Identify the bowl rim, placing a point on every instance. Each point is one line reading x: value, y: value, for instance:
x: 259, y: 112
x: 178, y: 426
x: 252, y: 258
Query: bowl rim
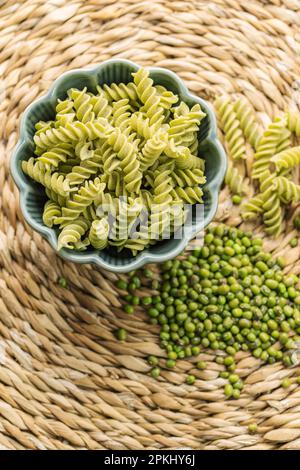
x: 145, y: 256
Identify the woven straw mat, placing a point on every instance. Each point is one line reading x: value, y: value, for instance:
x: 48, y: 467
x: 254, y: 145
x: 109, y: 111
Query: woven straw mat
x: 65, y: 382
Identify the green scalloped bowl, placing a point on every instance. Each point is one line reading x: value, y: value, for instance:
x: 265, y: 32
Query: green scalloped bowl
x: 32, y: 197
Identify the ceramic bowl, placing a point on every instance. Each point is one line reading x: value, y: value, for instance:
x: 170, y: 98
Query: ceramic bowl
x: 32, y: 196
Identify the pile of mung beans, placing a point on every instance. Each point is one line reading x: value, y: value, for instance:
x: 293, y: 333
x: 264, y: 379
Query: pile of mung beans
x: 226, y: 296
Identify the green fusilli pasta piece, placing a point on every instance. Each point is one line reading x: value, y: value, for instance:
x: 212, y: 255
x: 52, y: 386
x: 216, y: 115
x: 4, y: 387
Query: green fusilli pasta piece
x: 53, y: 196
x: 98, y: 234
x: 82, y: 105
x: 191, y: 195
x: 72, y: 132
x: 184, y: 160
x: 253, y: 207
x: 141, y: 124
x: 287, y: 159
x: 186, y: 178
x: 43, y: 126
x: 40, y: 174
x: 129, y: 161
x: 231, y: 128
x: 100, y: 105
x: 286, y: 188
x: 149, y: 97
x: 234, y: 180
x: 162, y: 199
x: 72, y: 233
x: 248, y: 123
x: 267, y: 146
x: 121, y: 91
x: 182, y: 129
x: 52, y: 210
x: 121, y: 115
x: 153, y: 149
x: 85, y: 196
x: 273, y: 215
x: 167, y: 98
x: 56, y: 155
x: 85, y: 170
x: 64, y: 112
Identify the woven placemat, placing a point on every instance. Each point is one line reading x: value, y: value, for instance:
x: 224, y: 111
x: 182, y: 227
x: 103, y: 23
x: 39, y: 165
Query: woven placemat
x: 65, y: 382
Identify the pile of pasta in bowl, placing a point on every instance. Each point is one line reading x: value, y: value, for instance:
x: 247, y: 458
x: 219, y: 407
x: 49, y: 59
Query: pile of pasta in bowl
x: 119, y: 166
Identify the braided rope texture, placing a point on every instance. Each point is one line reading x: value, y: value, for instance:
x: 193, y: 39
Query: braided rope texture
x: 65, y: 382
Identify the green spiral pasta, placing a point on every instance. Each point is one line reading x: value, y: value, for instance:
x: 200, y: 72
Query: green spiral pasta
x: 64, y: 112
x: 273, y: 215
x: 72, y: 233
x: 90, y: 213
x: 153, y: 149
x: 141, y: 125
x: 287, y: 159
x: 82, y: 245
x: 268, y: 143
x: 266, y: 182
x: 72, y: 132
x: 187, y: 178
x: 98, y: 234
x: 40, y: 174
x: 54, y: 197
x: 234, y: 180
x: 85, y: 170
x: 121, y: 115
x: 253, y: 207
x: 129, y: 161
x: 43, y: 126
x: 110, y: 159
x: 248, y: 123
x: 115, y: 183
x: 167, y: 98
x: 116, y: 92
x: 81, y: 200
x: 162, y: 199
x: 100, y: 105
x: 190, y: 195
x: 182, y: 155
x: 52, y: 211
x: 285, y: 141
x: 147, y: 199
x: 53, y: 157
x: 182, y: 129
x: 286, y: 188
x: 149, y: 97
x: 181, y: 110
x: 82, y: 105
x: 231, y: 128
x: 193, y: 145
x: 106, y: 204
x: 127, y: 214
x: 125, y: 156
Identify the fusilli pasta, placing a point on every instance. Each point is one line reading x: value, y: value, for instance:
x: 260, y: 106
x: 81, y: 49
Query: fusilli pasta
x: 248, y: 123
x: 231, y: 128
x: 268, y: 143
x: 287, y: 159
x: 234, y: 180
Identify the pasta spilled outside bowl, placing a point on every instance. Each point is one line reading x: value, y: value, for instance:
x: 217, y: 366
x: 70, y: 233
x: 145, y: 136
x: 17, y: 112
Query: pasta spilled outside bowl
x: 118, y: 165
